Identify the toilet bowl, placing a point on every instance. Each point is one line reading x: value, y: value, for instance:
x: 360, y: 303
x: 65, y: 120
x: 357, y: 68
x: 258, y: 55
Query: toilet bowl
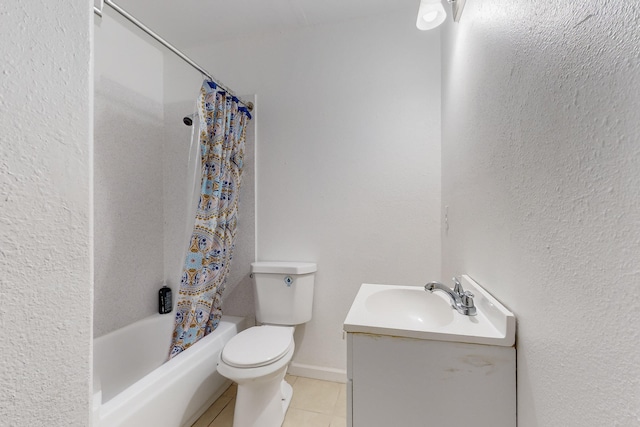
x: 257, y: 358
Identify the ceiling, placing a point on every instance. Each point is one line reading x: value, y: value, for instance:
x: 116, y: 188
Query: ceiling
x: 189, y: 23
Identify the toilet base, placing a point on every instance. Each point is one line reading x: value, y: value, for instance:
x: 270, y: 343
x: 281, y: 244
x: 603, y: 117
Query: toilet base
x: 287, y: 394
x: 262, y: 405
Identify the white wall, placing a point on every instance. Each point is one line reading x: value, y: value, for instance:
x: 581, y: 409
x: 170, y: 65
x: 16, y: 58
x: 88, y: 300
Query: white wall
x: 348, y: 161
x: 128, y: 173
x: 45, y: 213
x: 541, y: 174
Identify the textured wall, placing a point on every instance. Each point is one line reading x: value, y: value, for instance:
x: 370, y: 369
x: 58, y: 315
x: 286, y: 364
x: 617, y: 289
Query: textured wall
x: 348, y: 159
x: 128, y: 162
x: 541, y: 176
x: 45, y: 213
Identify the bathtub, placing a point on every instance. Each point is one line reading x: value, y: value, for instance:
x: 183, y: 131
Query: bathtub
x: 134, y: 386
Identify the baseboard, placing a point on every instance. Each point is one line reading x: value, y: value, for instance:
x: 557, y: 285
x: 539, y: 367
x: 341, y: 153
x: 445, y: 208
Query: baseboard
x: 317, y: 372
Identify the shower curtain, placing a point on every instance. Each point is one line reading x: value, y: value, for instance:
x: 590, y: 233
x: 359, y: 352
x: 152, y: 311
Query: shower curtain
x: 223, y: 122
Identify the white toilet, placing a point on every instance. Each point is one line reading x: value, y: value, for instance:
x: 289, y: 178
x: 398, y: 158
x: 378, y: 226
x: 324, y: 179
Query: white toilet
x: 257, y: 358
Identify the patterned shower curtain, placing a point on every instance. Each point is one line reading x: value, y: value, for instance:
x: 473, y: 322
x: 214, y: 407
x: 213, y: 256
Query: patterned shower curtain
x: 223, y: 123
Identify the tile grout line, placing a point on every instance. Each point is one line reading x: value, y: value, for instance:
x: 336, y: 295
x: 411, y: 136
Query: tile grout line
x: 222, y: 410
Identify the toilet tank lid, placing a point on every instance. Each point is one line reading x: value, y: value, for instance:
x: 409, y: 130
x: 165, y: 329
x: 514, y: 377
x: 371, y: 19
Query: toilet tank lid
x: 283, y: 267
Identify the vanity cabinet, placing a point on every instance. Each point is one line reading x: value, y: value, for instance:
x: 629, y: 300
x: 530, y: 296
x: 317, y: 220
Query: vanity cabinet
x: 407, y: 382
x: 415, y: 359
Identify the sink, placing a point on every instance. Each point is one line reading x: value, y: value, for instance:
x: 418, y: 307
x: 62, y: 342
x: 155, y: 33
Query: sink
x: 412, y: 312
x: 409, y: 352
x: 408, y: 306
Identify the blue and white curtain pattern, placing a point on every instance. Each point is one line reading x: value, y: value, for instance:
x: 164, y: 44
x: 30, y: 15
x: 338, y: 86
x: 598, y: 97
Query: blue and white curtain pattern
x: 223, y: 122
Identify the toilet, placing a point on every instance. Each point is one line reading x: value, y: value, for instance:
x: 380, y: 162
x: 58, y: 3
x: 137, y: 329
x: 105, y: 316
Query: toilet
x: 257, y: 358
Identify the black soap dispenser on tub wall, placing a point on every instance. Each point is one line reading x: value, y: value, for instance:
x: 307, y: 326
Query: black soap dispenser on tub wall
x: 165, y: 300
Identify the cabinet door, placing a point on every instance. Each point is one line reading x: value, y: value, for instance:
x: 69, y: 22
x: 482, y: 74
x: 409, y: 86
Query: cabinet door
x: 419, y: 383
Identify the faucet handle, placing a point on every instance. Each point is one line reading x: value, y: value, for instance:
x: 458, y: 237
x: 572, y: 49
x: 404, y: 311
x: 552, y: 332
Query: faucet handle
x: 467, y: 299
x: 457, y: 286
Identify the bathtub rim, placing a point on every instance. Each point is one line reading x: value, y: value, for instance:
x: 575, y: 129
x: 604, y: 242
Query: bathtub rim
x: 106, y: 410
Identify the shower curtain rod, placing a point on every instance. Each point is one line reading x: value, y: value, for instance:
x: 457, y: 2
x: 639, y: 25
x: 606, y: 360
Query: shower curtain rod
x: 168, y: 45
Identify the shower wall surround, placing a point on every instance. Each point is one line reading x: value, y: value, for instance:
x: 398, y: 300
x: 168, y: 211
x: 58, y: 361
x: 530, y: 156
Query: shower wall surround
x: 541, y: 177
x: 143, y: 178
x: 128, y: 177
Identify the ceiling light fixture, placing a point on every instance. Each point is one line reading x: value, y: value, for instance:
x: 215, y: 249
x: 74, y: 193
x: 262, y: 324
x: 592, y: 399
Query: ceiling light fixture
x: 431, y: 13
x: 430, y: 16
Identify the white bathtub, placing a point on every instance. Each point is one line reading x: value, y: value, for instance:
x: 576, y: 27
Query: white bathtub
x: 134, y: 386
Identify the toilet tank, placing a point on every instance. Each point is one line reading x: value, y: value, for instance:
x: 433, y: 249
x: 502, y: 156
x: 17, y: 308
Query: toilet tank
x: 283, y: 291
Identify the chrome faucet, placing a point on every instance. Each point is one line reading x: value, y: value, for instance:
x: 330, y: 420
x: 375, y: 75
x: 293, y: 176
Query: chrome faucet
x: 460, y: 299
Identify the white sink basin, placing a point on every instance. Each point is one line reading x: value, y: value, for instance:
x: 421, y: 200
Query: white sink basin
x: 408, y: 306
x: 412, y: 312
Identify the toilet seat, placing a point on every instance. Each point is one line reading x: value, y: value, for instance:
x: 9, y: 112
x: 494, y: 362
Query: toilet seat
x: 258, y: 346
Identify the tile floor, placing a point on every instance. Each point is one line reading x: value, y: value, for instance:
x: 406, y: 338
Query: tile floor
x: 315, y: 403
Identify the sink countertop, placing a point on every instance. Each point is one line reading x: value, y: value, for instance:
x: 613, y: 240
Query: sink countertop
x: 412, y: 312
